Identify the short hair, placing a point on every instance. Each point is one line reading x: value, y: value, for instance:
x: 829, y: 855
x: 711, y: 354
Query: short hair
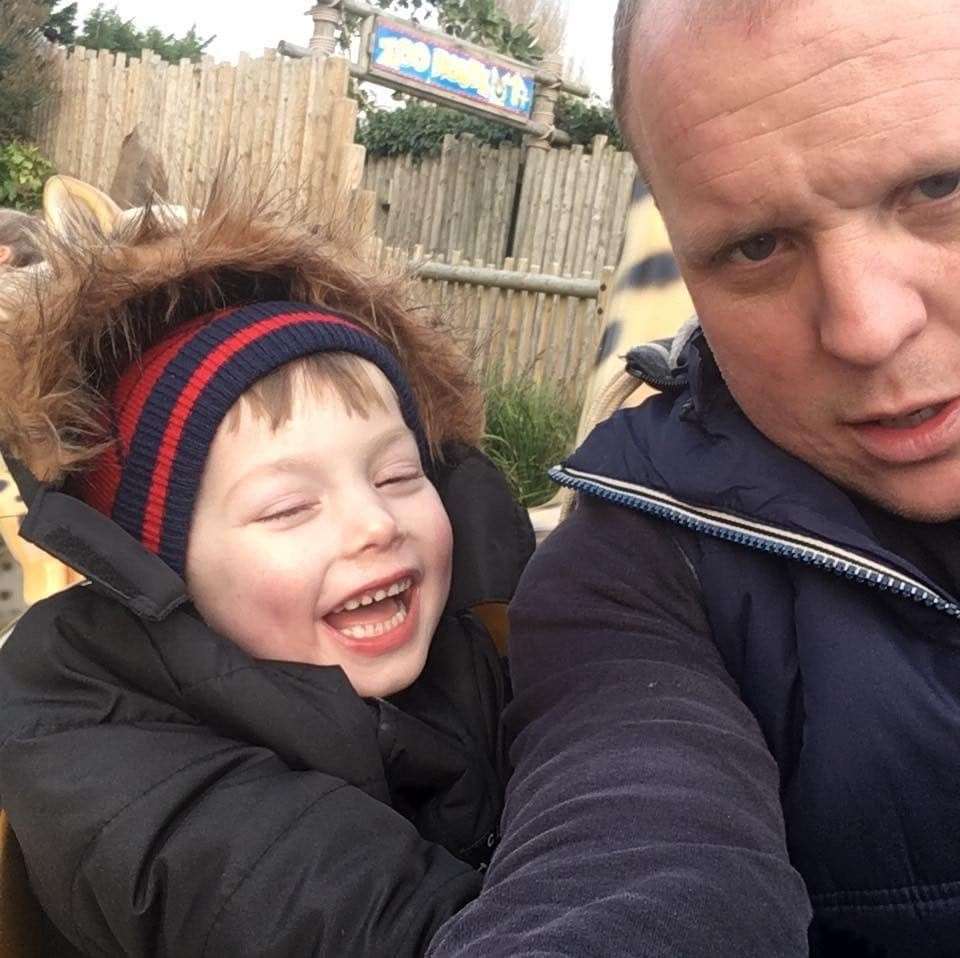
x: 623, y: 25
x: 17, y: 230
x: 344, y: 375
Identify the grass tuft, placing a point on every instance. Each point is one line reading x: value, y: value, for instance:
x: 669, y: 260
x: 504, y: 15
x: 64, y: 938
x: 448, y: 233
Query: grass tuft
x: 530, y: 427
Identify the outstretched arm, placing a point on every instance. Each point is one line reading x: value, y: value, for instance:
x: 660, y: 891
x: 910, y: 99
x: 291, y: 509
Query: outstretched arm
x: 643, y: 815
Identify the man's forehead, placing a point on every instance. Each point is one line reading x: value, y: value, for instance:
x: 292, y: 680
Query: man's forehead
x: 845, y: 84
x: 722, y: 70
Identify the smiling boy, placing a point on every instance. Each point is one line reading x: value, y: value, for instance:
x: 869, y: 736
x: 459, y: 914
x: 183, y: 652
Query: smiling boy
x: 320, y: 539
x: 269, y: 725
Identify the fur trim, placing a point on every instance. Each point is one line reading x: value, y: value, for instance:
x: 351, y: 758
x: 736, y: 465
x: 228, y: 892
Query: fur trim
x: 70, y: 328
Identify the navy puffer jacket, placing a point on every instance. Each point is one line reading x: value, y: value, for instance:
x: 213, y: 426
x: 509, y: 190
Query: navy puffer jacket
x: 847, y: 655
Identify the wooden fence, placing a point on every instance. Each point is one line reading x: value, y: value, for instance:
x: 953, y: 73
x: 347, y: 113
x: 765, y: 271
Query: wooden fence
x: 571, y: 208
x: 514, y: 333
x: 286, y: 122
x: 462, y: 199
x: 291, y: 122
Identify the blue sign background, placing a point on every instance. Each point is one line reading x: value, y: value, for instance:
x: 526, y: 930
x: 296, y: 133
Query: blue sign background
x: 487, y: 82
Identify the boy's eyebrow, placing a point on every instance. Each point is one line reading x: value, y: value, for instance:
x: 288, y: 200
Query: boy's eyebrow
x: 286, y: 464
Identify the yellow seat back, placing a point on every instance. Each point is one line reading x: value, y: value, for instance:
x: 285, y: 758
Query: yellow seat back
x: 648, y: 301
x: 42, y: 574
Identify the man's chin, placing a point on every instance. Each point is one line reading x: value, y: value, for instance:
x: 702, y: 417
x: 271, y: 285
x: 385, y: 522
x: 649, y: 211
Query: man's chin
x: 920, y: 499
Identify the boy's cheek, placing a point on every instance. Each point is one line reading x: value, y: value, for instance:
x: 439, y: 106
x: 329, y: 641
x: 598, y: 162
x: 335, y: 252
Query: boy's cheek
x: 253, y: 585
x: 431, y: 519
x: 270, y: 587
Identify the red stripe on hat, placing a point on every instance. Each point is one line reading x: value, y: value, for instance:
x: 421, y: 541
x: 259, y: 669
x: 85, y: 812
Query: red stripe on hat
x: 100, y: 484
x: 134, y: 388
x: 156, y: 503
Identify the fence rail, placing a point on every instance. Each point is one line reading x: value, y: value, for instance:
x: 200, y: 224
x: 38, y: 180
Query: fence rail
x: 516, y: 320
x: 509, y: 279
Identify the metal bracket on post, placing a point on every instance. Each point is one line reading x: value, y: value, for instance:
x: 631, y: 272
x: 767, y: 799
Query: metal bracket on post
x: 326, y: 19
x: 545, y: 103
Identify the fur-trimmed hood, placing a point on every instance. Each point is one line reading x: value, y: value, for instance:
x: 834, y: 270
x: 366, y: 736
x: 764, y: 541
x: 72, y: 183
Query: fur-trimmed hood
x: 70, y: 327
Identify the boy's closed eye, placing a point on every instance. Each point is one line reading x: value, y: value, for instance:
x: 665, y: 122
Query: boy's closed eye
x: 402, y: 479
x: 400, y: 476
x: 287, y: 513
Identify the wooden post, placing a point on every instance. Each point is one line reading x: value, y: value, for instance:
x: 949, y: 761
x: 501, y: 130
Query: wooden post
x: 326, y: 19
x: 545, y: 102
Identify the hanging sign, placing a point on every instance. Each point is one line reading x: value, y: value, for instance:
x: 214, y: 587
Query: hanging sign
x: 452, y: 72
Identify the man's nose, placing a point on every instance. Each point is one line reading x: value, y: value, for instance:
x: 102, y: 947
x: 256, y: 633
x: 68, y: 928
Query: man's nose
x: 369, y: 524
x: 870, y: 300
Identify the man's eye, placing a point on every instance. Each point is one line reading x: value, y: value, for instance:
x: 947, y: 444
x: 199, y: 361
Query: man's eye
x: 940, y: 186
x: 757, y: 248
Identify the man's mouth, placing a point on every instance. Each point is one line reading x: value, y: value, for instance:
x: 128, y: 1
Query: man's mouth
x: 910, y: 420
x: 374, y: 612
x: 921, y: 434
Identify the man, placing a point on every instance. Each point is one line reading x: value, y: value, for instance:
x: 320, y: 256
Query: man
x: 765, y: 562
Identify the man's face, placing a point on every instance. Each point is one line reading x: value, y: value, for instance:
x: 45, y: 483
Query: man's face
x: 808, y: 171
x: 323, y: 542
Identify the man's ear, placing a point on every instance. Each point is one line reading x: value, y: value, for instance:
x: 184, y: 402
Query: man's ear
x: 6, y: 254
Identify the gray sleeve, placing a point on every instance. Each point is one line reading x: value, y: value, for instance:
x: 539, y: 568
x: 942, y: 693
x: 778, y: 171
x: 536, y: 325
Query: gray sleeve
x: 643, y: 816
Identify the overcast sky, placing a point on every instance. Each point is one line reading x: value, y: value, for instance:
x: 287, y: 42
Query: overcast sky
x: 250, y: 27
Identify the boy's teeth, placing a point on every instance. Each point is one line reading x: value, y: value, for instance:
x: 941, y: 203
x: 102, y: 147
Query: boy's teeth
x: 379, y: 595
x: 371, y: 631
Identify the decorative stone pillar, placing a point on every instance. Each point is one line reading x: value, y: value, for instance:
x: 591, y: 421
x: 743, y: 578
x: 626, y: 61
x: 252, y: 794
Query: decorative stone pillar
x: 326, y: 19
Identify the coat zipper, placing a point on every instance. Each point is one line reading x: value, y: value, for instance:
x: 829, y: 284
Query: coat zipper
x: 780, y: 542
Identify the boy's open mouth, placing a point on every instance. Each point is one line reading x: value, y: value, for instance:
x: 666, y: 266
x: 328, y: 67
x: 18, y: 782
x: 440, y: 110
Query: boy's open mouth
x: 372, y: 613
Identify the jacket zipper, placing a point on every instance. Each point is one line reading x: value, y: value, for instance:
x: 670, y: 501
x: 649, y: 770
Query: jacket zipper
x: 780, y: 542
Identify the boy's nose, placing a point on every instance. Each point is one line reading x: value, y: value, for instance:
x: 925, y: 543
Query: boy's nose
x: 369, y: 524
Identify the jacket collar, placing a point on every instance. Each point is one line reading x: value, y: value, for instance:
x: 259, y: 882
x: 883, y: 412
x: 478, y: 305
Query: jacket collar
x: 694, y: 444
x: 87, y: 541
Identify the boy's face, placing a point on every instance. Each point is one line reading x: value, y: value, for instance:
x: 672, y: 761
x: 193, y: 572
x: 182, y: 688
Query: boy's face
x: 323, y: 542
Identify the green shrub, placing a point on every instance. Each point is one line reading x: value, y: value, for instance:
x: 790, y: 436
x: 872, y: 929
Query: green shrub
x: 105, y: 29
x: 530, y: 427
x: 418, y: 129
x: 585, y: 119
x: 23, y: 171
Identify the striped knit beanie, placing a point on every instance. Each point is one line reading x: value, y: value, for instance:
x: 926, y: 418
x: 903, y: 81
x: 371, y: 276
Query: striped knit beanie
x: 166, y: 408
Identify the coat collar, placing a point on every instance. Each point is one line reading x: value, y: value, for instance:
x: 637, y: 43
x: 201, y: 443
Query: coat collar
x: 87, y: 541
x: 694, y: 443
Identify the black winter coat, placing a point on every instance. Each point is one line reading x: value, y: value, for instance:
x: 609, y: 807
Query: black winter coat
x: 174, y: 796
